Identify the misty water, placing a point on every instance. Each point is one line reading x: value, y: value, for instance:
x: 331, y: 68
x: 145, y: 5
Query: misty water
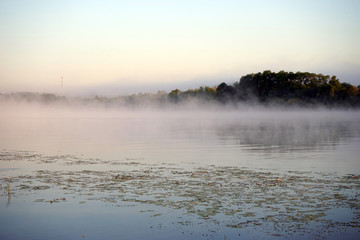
x: 179, y: 174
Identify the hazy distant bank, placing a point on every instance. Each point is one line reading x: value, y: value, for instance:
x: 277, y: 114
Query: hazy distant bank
x: 267, y: 89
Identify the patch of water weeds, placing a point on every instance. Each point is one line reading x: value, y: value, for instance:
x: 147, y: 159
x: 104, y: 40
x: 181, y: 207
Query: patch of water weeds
x: 286, y: 204
x: 43, y: 159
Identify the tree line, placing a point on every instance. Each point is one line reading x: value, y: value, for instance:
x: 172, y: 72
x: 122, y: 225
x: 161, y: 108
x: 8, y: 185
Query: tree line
x: 285, y: 88
x: 282, y: 87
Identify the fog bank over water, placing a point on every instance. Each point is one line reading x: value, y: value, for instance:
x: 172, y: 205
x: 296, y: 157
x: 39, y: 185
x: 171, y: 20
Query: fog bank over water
x: 58, y: 106
x: 254, y: 136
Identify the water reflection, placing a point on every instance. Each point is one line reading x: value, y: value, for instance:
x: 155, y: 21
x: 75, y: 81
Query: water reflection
x: 289, y: 136
x: 8, y: 193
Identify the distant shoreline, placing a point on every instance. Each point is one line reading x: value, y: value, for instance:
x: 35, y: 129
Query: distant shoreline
x: 266, y: 89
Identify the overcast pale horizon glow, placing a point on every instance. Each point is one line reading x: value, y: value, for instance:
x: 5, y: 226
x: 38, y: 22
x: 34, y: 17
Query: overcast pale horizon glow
x: 132, y: 45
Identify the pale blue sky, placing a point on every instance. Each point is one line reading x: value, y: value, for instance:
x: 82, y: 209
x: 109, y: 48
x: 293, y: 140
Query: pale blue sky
x: 142, y: 43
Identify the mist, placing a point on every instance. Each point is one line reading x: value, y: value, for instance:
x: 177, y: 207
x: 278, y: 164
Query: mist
x: 157, y: 128
x: 190, y: 131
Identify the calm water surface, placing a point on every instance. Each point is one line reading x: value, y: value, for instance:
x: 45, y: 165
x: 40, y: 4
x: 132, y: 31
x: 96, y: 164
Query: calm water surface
x: 87, y: 174
x: 317, y: 140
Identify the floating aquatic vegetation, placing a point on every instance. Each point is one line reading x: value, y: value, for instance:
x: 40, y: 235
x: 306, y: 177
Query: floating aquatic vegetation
x: 40, y: 159
x: 57, y: 200
x: 278, y: 204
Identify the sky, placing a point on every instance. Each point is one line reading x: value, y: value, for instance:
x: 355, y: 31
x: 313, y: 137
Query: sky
x: 137, y: 46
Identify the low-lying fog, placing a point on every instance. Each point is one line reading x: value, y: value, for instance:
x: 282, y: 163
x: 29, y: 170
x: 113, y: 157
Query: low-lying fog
x: 256, y: 137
